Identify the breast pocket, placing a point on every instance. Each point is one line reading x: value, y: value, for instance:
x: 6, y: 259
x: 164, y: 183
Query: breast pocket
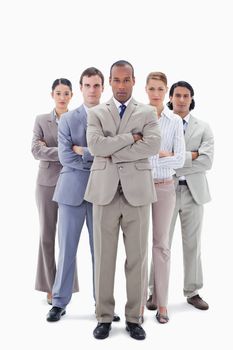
x: 143, y: 166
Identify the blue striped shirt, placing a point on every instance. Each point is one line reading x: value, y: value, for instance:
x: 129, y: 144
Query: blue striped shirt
x: 172, y: 140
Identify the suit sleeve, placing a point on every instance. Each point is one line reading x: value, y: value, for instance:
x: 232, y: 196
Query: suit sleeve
x: 205, y: 159
x: 39, y: 151
x: 66, y: 155
x: 144, y: 148
x: 104, y: 146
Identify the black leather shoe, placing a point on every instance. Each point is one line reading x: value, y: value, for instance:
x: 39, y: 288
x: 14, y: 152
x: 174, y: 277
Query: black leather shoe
x: 102, y: 330
x: 116, y: 318
x: 55, y: 314
x: 135, y: 331
x: 150, y: 305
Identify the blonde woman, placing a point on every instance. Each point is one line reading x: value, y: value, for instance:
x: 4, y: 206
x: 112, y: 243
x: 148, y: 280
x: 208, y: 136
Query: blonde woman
x: 170, y: 157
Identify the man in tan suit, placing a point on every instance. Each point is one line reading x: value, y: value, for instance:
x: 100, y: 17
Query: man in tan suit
x: 192, y: 191
x: 121, y: 134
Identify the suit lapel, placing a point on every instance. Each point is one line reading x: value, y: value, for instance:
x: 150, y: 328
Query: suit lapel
x: 128, y: 112
x: 190, y: 128
x: 114, y: 112
x: 82, y: 115
x: 52, y: 125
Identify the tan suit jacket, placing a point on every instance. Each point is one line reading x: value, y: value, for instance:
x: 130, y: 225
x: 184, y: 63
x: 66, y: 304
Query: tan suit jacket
x: 198, y: 137
x: 117, y: 157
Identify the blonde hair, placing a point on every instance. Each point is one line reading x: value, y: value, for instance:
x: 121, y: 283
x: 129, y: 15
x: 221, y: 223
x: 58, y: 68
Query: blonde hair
x: 157, y: 76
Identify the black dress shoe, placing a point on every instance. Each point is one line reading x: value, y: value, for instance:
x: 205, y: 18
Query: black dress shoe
x: 116, y: 318
x: 102, y: 330
x: 135, y: 331
x: 55, y: 314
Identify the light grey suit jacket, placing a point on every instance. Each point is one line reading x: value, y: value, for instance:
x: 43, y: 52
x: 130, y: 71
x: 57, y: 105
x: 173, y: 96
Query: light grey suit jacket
x: 198, y: 137
x: 118, y: 157
x: 74, y: 175
x: 45, y: 129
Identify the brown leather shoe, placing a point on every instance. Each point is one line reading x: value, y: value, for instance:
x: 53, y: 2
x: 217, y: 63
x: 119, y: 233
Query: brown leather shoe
x: 150, y: 305
x: 198, y: 302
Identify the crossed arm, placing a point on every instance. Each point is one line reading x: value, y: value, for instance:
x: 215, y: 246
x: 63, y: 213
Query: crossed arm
x: 202, y: 159
x: 126, y: 147
x: 39, y: 148
x: 71, y: 155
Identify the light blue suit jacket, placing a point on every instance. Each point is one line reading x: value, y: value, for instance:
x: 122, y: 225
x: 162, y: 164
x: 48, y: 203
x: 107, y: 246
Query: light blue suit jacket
x: 74, y: 175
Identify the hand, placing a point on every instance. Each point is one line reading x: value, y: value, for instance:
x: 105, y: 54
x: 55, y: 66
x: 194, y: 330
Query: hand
x: 42, y: 143
x: 165, y: 154
x: 137, y: 136
x: 195, y: 154
x: 78, y: 150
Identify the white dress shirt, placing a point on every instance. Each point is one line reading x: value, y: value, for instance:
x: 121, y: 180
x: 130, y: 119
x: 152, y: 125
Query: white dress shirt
x: 172, y: 140
x: 118, y: 104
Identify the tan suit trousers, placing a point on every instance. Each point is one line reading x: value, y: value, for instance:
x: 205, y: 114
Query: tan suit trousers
x: 134, y: 222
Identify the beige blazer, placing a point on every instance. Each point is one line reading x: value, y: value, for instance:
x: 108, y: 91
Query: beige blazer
x: 198, y: 137
x: 45, y: 129
x: 117, y: 157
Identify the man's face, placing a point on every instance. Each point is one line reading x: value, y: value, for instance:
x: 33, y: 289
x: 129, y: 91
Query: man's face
x: 92, y: 89
x: 122, y: 83
x: 181, y: 101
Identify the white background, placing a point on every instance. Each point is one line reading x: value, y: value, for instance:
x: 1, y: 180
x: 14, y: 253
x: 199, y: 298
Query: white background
x: 45, y: 40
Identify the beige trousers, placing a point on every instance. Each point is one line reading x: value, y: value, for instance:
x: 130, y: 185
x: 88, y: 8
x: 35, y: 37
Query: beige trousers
x: 162, y: 212
x: 134, y: 222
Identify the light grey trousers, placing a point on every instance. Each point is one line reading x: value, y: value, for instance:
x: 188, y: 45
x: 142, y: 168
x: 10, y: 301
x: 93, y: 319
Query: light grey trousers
x: 71, y: 221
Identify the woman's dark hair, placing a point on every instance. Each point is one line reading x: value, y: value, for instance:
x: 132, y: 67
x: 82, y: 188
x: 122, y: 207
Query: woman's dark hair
x: 62, y: 81
x: 89, y: 72
x: 185, y: 85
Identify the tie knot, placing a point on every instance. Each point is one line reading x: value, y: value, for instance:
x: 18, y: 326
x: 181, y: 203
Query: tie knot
x: 184, y: 121
x: 122, y: 110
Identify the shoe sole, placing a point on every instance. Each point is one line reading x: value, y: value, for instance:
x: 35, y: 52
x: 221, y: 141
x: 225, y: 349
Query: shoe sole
x: 137, y: 338
x: 199, y: 308
x: 57, y: 319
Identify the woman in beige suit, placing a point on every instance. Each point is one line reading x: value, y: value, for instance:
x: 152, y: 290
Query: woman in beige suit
x: 45, y: 149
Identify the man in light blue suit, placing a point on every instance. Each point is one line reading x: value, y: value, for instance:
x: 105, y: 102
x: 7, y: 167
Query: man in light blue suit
x: 73, y: 209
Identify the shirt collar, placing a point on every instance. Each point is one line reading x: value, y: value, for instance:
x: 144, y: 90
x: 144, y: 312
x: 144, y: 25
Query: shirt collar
x: 54, y: 116
x: 118, y: 104
x: 167, y: 113
x: 86, y: 108
x: 186, y: 118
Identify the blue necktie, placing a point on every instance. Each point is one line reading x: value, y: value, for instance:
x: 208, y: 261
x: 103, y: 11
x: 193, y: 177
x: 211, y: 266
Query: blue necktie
x: 184, y: 124
x: 123, y: 108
